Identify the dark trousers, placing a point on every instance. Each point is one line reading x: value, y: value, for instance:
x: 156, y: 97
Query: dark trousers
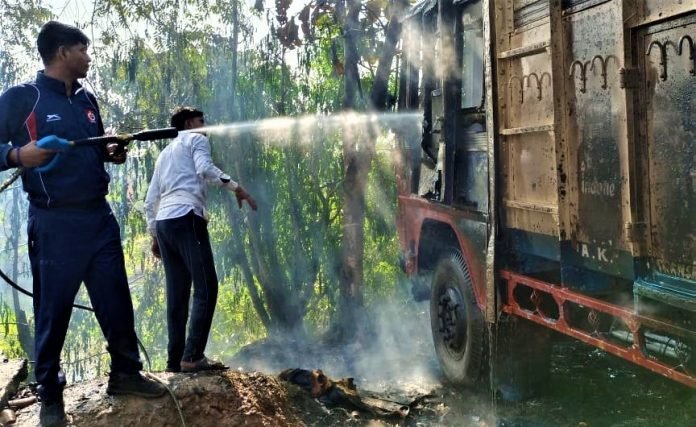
x: 186, y: 254
x: 68, y: 247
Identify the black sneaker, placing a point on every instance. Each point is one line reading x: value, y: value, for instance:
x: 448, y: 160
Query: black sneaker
x: 134, y: 384
x: 52, y: 414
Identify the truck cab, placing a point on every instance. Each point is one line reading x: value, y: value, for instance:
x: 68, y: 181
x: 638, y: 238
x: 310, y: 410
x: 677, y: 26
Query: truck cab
x: 554, y: 183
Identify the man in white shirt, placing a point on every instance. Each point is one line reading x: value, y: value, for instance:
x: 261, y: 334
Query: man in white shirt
x: 175, y: 208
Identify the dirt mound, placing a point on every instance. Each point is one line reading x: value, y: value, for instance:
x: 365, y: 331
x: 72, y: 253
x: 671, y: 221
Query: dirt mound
x: 225, y: 398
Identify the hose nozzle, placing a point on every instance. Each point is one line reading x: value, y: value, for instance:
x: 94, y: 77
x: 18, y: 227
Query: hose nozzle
x: 153, y: 134
x: 54, y: 143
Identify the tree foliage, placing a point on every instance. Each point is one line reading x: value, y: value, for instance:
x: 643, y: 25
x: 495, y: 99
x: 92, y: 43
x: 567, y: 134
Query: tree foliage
x: 279, y: 267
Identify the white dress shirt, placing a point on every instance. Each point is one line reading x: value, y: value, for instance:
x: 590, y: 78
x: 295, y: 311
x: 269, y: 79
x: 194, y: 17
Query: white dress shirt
x: 179, y: 183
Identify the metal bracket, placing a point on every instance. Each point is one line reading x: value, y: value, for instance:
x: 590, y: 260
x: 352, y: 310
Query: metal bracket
x: 603, y: 71
x: 691, y: 51
x: 538, y: 82
x: 603, y: 62
x: 583, y: 74
x: 521, y: 87
x: 663, y: 57
x: 528, y: 77
x: 629, y: 78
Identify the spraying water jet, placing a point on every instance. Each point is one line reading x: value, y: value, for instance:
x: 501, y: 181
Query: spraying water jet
x: 279, y: 130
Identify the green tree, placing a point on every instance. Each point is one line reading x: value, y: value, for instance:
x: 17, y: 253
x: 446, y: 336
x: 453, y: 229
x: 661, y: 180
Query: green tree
x: 280, y: 268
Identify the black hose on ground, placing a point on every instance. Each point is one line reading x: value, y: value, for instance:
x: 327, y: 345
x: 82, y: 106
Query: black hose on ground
x: 23, y: 291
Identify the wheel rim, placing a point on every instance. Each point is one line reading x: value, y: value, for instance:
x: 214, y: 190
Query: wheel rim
x: 452, y: 320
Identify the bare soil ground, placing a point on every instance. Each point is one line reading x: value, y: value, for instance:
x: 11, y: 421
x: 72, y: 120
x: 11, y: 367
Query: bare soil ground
x: 612, y: 394
x: 587, y: 388
x: 225, y: 398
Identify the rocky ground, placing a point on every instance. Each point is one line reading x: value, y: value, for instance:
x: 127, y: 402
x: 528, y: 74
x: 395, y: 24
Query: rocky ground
x: 228, y: 398
x: 612, y: 394
x: 394, y: 369
x: 231, y: 398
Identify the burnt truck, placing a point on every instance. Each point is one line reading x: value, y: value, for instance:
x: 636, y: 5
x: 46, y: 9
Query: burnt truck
x: 553, y: 185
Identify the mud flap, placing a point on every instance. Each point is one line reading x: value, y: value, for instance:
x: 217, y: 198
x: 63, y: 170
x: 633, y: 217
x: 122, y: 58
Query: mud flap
x: 522, y: 355
x: 420, y: 288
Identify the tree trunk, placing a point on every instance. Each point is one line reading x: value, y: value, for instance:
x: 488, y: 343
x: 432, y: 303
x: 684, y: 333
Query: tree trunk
x: 243, y: 262
x: 26, y: 338
x: 281, y: 310
x: 356, y: 161
x: 267, y: 274
x: 380, y: 87
x: 351, y: 28
x: 233, y: 67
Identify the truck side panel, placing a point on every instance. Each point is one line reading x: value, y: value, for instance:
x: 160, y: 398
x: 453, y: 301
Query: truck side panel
x: 666, y: 57
x: 598, y: 175
x: 526, y: 113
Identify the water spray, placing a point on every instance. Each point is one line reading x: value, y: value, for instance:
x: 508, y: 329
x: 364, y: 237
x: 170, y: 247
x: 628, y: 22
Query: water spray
x: 283, y: 128
x: 274, y: 129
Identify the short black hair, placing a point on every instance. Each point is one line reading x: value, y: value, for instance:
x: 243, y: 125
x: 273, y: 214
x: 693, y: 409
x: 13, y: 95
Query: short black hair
x: 181, y: 114
x: 54, y: 34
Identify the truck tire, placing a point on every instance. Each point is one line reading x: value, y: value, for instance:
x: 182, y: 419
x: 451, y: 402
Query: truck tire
x: 457, y: 322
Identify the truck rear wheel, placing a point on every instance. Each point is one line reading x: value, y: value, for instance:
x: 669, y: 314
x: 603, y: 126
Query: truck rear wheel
x: 457, y: 322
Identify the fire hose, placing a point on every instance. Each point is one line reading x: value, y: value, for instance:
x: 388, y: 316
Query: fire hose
x: 14, y: 285
x: 60, y: 145
x: 52, y: 142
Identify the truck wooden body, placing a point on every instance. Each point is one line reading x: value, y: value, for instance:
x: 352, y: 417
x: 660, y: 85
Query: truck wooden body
x: 554, y: 180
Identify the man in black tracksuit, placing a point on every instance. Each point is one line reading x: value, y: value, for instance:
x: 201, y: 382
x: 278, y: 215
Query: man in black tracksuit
x: 73, y: 235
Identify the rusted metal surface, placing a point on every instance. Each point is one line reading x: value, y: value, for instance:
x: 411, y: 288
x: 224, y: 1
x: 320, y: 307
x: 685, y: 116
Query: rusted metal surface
x: 528, y: 12
x: 650, y: 11
x: 524, y: 50
x: 563, y: 296
x: 560, y: 115
x: 491, y: 302
x: 669, y: 89
x: 526, y: 115
x: 468, y: 229
x: 573, y: 6
x: 597, y: 170
x: 587, y: 156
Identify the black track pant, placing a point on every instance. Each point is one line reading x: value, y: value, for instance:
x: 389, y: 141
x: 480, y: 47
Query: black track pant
x: 185, y: 247
x: 66, y: 248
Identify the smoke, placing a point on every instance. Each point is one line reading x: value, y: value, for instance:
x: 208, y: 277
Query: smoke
x: 395, y: 353
x: 399, y: 347
x: 400, y: 352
